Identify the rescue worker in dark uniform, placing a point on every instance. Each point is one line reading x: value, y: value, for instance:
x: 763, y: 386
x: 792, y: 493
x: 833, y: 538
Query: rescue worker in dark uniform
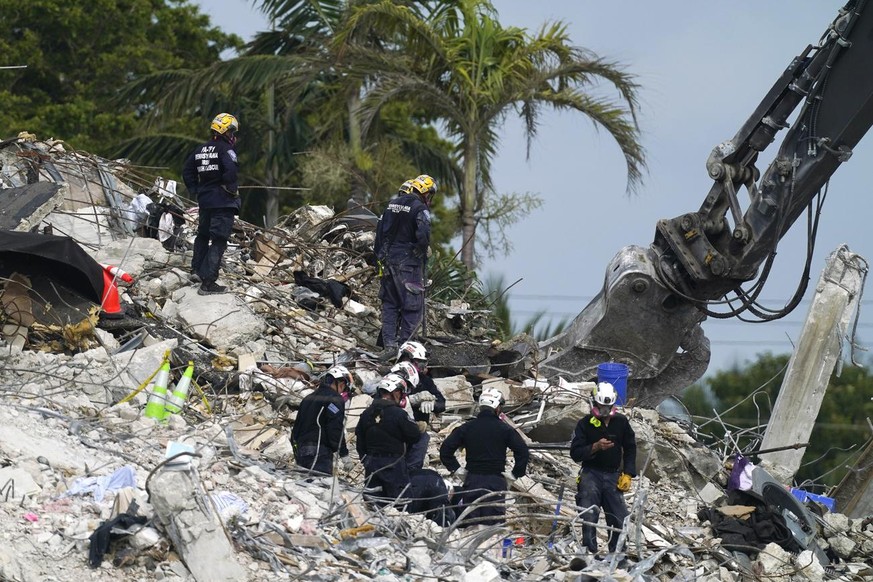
x: 319, y: 430
x: 402, y: 241
x: 384, y: 433
x: 426, y: 399
x: 210, y: 174
x: 485, y: 439
x: 605, y: 444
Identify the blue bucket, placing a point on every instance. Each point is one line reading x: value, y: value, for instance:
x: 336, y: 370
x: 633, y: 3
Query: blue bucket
x: 615, y: 374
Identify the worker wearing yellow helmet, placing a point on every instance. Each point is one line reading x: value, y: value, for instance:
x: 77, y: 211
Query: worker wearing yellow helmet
x: 401, y: 245
x: 210, y: 174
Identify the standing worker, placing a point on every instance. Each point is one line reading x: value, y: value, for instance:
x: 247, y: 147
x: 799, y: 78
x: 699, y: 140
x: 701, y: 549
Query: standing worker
x: 384, y: 433
x: 605, y: 444
x: 210, y: 174
x: 319, y: 430
x: 485, y: 439
x: 401, y: 246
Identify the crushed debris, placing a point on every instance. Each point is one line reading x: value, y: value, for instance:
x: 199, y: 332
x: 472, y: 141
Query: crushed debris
x: 211, y: 492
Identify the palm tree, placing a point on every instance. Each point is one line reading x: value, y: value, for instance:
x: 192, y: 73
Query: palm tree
x: 468, y: 72
x: 303, y: 99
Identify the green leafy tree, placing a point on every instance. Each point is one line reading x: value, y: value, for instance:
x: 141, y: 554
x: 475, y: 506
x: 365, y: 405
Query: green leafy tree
x: 741, y: 399
x: 77, y: 55
x: 298, y: 102
x: 468, y: 72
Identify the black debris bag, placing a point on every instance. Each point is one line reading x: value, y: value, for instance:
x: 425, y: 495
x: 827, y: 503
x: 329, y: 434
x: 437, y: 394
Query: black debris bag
x: 333, y: 290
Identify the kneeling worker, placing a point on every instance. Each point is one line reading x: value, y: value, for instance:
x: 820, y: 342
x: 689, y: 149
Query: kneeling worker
x: 319, y: 430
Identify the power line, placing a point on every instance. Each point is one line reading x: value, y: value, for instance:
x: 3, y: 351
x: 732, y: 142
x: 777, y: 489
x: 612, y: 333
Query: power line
x: 587, y: 298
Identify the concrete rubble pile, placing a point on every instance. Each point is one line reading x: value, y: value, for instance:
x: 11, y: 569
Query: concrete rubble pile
x: 94, y: 489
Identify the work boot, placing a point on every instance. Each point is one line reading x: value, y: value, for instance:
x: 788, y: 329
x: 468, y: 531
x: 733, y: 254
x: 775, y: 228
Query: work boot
x: 195, y: 278
x: 388, y: 353
x: 211, y: 289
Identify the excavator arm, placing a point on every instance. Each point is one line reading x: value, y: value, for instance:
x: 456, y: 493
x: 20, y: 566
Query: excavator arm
x: 653, y: 301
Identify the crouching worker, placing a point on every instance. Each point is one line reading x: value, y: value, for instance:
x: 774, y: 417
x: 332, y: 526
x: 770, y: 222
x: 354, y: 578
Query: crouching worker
x: 605, y: 444
x: 486, y: 439
x: 319, y: 430
x: 384, y: 433
x: 430, y: 496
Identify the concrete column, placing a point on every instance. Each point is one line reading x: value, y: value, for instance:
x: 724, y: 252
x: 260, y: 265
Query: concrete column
x: 797, y: 406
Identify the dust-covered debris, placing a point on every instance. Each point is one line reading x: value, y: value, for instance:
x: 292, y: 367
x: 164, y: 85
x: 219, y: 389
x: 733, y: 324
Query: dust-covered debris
x: 216, y: 483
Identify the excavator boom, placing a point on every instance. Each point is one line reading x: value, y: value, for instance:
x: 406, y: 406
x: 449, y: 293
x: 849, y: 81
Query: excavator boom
x: 653, y: 301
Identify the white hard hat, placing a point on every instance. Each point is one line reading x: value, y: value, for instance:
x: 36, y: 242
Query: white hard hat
x: 341, y: 373
x: 392, y: 383
x: 414, y: 350
x: 605, y: 394
x: 491, y: 397
x: 408, y: 371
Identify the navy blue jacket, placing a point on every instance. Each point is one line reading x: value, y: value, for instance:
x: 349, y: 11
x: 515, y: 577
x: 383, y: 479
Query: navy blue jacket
x: 403, y: 231
x: 384, y: 430
x: 486, y: 439
x: 320, y: 417
x: 426, y: 384
x: 621, y: 457
x: 210, y: 174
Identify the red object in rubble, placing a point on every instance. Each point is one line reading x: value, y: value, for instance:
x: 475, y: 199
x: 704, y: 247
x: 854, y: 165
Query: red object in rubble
x: 111, y: 301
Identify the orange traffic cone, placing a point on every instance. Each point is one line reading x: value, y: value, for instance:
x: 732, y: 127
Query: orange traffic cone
x: 117, y: 273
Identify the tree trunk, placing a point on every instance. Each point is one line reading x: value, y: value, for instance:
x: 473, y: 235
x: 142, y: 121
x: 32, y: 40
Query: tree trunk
x: 468, y: 205
x: 356, y: 142
x: 271, y: 212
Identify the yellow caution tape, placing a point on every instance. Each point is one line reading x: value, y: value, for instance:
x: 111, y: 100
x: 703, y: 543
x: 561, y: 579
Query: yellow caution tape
x: 146, y: 382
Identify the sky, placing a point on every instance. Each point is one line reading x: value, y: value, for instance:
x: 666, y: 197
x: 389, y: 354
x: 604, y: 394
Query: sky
x: 702, y: 72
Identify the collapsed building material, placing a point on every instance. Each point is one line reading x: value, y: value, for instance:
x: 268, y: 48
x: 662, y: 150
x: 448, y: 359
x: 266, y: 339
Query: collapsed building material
x: 194, y: 526
x: 23, y: 208
x: 830, y: 313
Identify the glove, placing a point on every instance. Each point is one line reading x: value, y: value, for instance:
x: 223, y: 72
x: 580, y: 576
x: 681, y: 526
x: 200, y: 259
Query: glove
x: 460, y: 474
x: 624, y: 482
x: 426, y: 407
x: 510, y: 478
x: 422, y: 426
x: 419, y: 397
x: 346, y: 463
x: 233, y: 193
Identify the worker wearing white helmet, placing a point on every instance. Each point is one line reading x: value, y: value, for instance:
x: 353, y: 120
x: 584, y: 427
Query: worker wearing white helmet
x: 384, y: 433
x: 486, y: 439
x: 605, y: 444
x: 318, y: 432
x: 425, y: 398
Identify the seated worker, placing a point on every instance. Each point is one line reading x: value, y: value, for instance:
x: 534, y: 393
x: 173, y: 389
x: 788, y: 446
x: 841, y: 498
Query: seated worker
x: 485, y: 439
x: 319, y: 430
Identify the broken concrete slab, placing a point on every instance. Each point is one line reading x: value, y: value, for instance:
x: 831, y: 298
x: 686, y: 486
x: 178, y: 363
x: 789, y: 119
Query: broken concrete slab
x: 225, y: 320
x: 23, y: 208
x: 194, y: 528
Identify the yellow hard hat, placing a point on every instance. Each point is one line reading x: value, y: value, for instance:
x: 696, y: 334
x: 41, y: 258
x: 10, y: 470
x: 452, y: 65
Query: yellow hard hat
x: 225, y: 122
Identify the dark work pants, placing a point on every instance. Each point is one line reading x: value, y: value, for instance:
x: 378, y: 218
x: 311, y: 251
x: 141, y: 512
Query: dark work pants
x: 598, y: 489
x: 389, y: 473
x: 402, y: 295
x: 430, y: 496
x: 310, y: 456
x: 416, y: 453
x: 213, y: 232
x: 477, y: 486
